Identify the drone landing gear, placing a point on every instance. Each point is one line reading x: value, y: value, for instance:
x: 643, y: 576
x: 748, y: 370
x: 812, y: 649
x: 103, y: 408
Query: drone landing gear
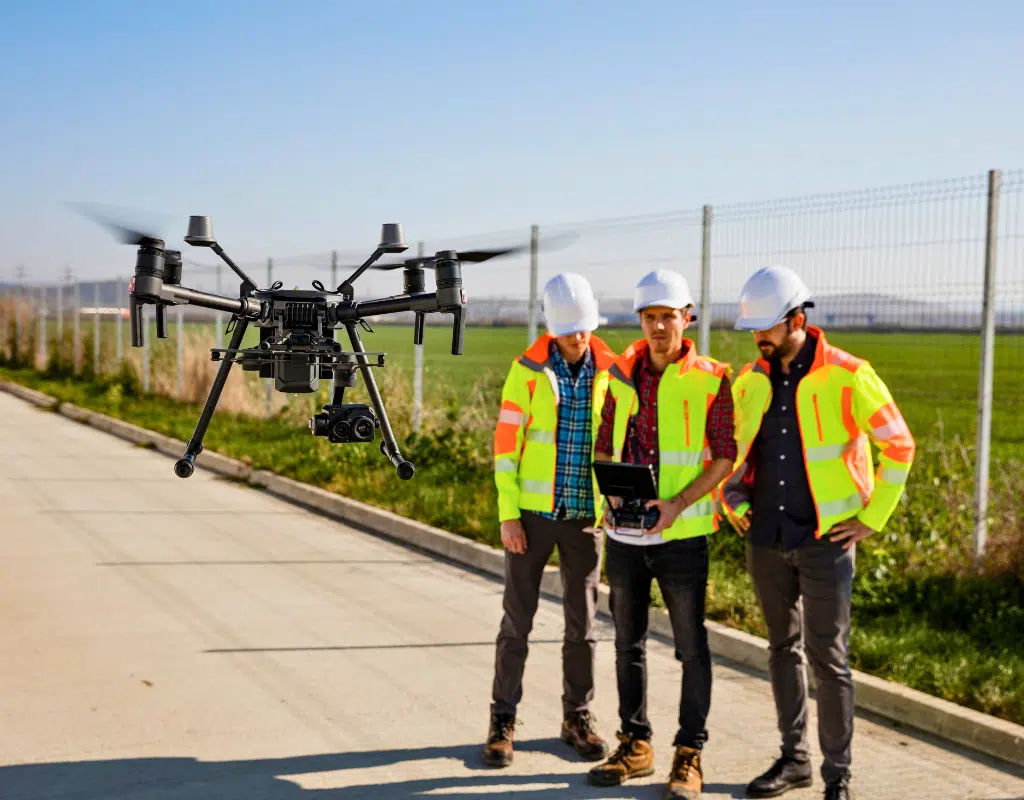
x: 338, y: 422
x: 184, y: 466
x: 389, y: 445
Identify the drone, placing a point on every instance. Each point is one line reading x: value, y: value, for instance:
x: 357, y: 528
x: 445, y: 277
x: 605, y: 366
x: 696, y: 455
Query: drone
x: 297, y: 346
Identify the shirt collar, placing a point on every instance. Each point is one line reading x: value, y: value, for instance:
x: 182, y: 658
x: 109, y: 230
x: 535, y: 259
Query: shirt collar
x: 647, y: 365
x: 558, y: 360
x: 803, y: 360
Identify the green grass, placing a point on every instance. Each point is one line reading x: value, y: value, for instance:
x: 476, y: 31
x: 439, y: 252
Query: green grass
x: 932, y: 376
x: 921, y: 616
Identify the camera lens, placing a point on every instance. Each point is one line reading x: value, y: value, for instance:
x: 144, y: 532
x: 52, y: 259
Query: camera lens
x: 341, y: 431
x: 363, y: 430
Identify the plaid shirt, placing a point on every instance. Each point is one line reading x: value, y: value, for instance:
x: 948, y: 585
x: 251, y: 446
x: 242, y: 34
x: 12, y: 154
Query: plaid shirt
x: 574, y: 490
x: 641, y: 445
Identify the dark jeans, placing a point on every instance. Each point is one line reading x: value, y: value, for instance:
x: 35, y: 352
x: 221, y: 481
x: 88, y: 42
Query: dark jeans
x: 805, y: 595
x: 681, y: 569
x: 579, y: 558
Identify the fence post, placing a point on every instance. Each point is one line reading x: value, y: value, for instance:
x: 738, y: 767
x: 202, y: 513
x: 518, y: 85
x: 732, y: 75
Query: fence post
x: 180, y: 314
x: 96, y: 327
x: 19, y: 297
x: 60, y: 325
x: 119, y: 294
x: 532, y: 324
x: 3, y: 322
x: 220, y: 316
x: 268, y: 382
x: 704, y: 323
x: 417, y: 376
x: 42, y: 328
x: 334, y: 267
x: 77, y: 355
x: 988, y: 325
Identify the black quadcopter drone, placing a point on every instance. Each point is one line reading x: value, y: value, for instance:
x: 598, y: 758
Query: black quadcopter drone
x: 297, y: 346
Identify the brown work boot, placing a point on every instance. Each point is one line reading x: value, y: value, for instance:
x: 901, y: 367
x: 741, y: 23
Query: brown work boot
x: 498, y: 748
x: 686, y: 780
x: 634, y: 758
x: 578, y: 730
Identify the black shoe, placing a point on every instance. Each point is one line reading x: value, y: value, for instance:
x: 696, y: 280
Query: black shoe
x: 838, y: 789
x: 783, y: 775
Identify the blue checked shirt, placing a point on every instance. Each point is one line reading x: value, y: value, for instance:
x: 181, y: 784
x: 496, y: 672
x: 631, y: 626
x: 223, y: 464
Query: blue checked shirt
x: 574, y: 490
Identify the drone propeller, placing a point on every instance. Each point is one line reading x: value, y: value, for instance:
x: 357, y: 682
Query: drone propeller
x: 429, y: 262
x: 112, y: 219
x: 473, y: 256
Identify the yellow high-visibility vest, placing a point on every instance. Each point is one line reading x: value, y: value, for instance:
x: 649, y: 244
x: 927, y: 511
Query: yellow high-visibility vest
x: 525, y: 437
x: 842, y: 406
x: 685, y: 393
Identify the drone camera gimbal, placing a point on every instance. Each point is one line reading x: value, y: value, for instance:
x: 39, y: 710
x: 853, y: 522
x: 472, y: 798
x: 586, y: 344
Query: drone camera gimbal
x: 297, y: 346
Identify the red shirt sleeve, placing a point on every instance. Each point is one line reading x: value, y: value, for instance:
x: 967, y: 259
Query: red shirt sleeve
x: 604, y: 433
x: 720, y: 426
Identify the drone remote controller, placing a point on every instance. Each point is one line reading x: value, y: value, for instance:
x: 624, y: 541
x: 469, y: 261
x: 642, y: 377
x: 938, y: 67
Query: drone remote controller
x: 634, y: 485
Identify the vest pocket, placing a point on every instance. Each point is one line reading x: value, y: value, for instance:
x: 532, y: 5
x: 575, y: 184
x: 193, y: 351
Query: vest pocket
x: 686, y: 420
x: 817, y: 418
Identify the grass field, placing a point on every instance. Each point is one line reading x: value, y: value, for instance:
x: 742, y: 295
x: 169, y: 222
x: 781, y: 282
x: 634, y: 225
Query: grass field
x: 933, y: 377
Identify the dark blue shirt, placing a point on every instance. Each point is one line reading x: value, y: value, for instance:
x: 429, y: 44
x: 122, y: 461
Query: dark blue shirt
x: 783, y: 513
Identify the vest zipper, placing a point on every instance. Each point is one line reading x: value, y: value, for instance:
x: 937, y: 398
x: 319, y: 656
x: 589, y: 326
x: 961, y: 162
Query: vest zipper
x: 686, y: 417
x: 817, y: 418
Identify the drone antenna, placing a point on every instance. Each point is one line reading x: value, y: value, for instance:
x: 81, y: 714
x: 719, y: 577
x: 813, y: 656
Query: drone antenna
x: 200, y: 234
x: 392, y: 240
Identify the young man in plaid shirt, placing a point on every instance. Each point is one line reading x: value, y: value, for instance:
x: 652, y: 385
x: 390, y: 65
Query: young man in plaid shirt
x: 543, y: 451
x: 670, y: 408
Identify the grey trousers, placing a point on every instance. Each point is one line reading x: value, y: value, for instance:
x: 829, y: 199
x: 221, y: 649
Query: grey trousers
x: 579, y: 558
x: 805, y: 596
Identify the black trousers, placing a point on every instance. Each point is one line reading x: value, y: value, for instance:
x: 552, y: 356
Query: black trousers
x: 579, y: 557
x: 681, y: 569
x: 805, y: 595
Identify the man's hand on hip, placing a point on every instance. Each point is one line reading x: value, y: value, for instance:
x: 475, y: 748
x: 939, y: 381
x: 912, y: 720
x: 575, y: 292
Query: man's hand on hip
x: 850, y: 531
x: 513, y: 536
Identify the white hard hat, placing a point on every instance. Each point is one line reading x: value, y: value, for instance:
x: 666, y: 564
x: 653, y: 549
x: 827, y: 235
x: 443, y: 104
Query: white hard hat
x: 569, y: 305
x: 663, y: 287
x: 767, y: 296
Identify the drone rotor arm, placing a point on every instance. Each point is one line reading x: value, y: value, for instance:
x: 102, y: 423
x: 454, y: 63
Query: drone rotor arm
x: 182, y: 295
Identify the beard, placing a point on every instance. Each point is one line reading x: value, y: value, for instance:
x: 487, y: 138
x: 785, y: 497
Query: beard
x: 787, y: 348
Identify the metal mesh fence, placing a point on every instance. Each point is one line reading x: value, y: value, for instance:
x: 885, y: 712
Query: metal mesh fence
x: 905, y: 260
x: 897, y: 275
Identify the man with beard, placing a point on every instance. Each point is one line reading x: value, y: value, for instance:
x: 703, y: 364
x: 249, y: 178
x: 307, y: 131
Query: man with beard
x: 667, y: 407
x: 803, y: 494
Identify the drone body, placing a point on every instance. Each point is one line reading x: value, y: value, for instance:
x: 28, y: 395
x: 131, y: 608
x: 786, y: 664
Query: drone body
x: 298, y: 347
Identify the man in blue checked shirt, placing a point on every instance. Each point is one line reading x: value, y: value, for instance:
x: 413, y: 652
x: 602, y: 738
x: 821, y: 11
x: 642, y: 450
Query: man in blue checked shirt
x: 543, y: 454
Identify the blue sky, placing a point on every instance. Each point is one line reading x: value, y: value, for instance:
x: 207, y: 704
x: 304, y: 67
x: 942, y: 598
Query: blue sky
x: 302, y: 126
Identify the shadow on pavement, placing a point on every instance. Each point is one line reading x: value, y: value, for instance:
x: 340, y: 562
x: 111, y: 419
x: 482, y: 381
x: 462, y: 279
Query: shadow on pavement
x: 277, y: 779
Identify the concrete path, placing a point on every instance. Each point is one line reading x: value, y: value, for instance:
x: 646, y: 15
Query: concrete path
x: 173, y: 639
